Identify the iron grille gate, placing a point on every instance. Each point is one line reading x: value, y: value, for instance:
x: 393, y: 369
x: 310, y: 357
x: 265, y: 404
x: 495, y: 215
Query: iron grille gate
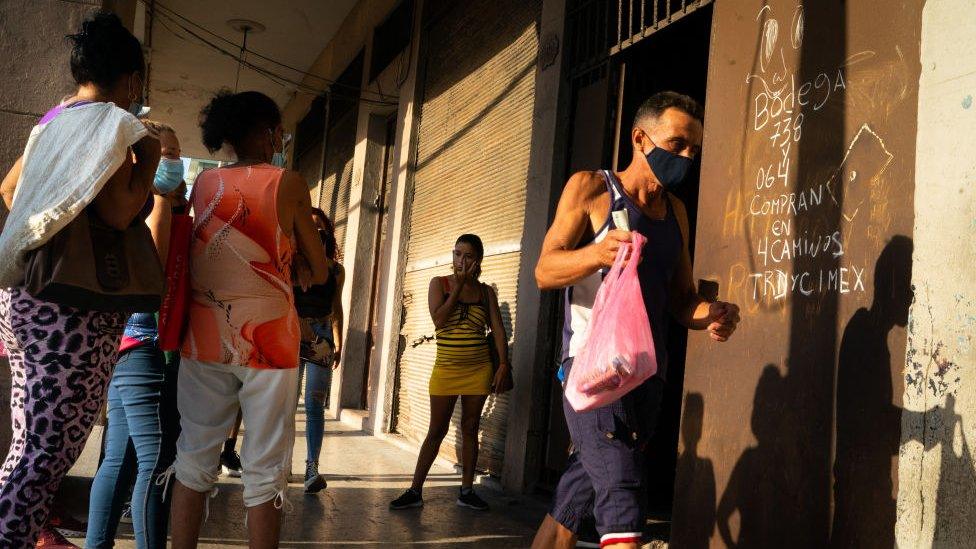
x: 600, y: 29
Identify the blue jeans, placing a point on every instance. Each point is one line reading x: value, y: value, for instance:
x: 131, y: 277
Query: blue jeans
x: 318, y: 382
x: 143, y: 424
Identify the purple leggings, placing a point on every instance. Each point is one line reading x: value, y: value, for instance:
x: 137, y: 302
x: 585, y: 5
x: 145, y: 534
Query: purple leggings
x: 61, y: 361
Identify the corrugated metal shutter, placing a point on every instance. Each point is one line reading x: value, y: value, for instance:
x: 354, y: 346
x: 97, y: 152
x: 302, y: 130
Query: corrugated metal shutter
x: 308, y: 144
x: 472, y: 159
x: 309, y: 164
x: 337, y: 182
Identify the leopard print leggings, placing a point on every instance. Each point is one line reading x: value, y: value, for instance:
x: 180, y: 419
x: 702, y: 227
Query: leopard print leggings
x: 61, y: 360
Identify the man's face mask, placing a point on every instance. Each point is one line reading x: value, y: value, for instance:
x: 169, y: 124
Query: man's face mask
x: 669, y: 168
x: 169, y: 175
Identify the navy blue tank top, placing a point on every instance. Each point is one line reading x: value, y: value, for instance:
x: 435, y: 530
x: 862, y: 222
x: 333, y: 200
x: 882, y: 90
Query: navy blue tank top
x: 660, y: 258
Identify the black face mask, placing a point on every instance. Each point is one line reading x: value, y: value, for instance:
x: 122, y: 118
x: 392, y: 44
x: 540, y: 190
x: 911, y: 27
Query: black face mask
x: 669, y: 168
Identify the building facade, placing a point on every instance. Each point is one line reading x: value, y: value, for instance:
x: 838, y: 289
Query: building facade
x: 833, y: 202
x: 815, y: 424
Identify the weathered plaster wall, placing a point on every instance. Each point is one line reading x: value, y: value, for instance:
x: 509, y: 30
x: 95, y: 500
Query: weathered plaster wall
x: 34, y: 76
x: 33, y: 65
x: 937, y: 479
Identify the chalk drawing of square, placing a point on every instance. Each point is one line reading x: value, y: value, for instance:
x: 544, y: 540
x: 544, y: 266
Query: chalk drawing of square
x: 865, y: 160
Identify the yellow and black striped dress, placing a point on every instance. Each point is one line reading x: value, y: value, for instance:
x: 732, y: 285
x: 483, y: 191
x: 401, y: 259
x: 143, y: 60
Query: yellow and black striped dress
x: 463, y: 363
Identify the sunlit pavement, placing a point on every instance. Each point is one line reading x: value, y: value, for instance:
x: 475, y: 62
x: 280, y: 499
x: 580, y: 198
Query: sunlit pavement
x: 364, y: 474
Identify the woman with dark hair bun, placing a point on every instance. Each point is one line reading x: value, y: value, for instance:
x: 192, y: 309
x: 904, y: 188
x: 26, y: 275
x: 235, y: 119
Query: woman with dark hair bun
x: 88, y: 155
x: 463, y: 308
x: 252, y: 220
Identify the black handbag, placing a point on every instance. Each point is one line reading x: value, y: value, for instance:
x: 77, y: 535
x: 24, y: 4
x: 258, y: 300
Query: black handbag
x: 508, y: 383
x: 91, y: 266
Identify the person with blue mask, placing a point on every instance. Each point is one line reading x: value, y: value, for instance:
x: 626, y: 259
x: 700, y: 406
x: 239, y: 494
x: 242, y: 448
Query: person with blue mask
x: 143, y: 422
x: 596, y: 214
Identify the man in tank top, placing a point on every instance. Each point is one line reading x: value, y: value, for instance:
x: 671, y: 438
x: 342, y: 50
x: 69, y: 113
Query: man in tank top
x: 604, y: 474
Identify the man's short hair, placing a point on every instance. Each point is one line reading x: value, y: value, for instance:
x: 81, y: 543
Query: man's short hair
x: 654, y: 106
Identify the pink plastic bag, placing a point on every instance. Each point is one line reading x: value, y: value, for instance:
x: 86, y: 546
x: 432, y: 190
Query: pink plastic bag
x: 617, y: 353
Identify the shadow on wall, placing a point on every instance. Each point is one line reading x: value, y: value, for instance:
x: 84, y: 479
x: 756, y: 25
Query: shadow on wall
x: 868, y: 425
x: 955, y: 505
x: 868, y: 433
x: 759, y: 481
x: 694, y: 511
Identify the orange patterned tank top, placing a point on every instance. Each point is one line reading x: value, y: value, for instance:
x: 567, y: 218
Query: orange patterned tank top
x: 242, y: 311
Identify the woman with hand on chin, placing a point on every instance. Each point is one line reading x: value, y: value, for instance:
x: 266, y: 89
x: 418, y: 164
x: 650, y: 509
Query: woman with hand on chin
x: 462, y: 308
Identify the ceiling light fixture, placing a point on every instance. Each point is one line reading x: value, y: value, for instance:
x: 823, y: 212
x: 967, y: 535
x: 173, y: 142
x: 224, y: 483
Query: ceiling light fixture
x: 246, y: 27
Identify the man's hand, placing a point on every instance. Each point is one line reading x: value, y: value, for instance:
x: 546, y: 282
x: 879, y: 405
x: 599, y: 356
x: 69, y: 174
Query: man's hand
x: 606, y: 249
x: 723, y: 318
x: 336, y: 358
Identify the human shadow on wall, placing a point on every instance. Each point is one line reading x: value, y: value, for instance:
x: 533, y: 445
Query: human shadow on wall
x: 868, y: 424
x: 759, y: 490
x: 765, y: 489
x: 955, y: 512
x: 694, y: 511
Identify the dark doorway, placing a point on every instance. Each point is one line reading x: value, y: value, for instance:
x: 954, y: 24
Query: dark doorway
x: 674, y: 58
x: 605, y: 97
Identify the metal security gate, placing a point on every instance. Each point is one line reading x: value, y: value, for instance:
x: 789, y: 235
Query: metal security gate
x: 309, y: 148
x: 340, y: 144
x: 599, y: 29
x: 337, y: 177
x: 472, y: 157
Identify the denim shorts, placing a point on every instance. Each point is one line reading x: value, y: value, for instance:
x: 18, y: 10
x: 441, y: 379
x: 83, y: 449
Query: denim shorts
x: 604, y: 476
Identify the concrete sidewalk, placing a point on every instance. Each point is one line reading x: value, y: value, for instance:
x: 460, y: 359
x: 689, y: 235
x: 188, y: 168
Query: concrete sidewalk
x: 364, y: 474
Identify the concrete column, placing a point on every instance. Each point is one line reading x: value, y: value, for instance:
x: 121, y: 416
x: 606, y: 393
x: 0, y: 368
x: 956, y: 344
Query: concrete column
x: 524, y: 443
x: 348, y: 380
x: 387, y: 336
x: 936, y: 474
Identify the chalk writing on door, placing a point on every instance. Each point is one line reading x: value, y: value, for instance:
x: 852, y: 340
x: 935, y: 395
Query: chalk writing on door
x: 781, y: 102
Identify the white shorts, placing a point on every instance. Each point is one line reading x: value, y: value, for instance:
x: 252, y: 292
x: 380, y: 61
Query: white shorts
x: 208, y: 398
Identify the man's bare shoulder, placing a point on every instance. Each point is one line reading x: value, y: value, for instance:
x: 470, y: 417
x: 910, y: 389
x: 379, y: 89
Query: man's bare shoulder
x: 585, y: 187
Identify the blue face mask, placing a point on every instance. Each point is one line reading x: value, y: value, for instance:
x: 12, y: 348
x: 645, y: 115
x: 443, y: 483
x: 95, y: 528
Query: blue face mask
x: 169, y: 175
x: 669, y: 168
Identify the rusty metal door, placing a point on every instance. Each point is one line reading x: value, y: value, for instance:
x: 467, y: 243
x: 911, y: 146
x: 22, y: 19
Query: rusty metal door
x: 790, y: 431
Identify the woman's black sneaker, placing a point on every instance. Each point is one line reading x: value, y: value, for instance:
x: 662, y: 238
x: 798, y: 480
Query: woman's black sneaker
x: 314, y: 482
x: 409, y: 499
x: 467, y: 498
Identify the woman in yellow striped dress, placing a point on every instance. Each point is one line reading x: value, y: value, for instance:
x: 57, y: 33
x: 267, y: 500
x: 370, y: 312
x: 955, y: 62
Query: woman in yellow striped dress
x: 462, y: 308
